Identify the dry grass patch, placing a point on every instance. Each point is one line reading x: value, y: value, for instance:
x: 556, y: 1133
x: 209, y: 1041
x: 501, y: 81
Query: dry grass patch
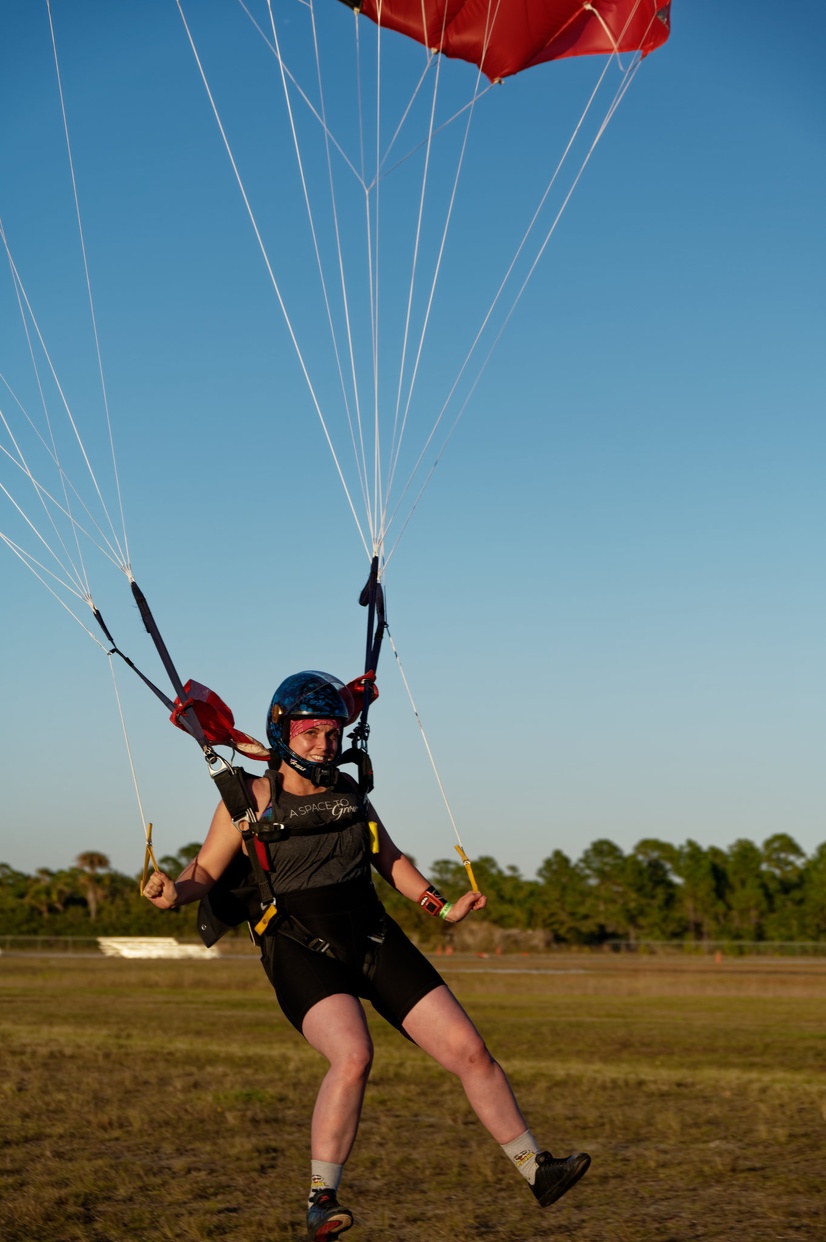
x: 171, y: 1100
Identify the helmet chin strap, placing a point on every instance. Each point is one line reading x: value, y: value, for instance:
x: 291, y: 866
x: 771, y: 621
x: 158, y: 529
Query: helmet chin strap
x: 316, y: 773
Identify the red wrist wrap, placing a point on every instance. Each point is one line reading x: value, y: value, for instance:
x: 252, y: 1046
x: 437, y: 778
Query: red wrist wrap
x: 432, y: 900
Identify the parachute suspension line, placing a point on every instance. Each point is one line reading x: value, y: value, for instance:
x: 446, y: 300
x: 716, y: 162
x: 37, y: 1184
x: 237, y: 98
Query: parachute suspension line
x: 372, y: 218
x: 367, y: 190
x: 437, y: 269
x: 382, y: 485
x: 149, y: 854
x: 609, y: 34
x: 330, y: 141
x: 310, y: 216
x: 414, y: 94
x: 471, y: 103
x: 458, y: 847
x: 486, y: 319
x: 491, y: 17
x: 358, y: 447
x: 79, y: 574
x: 29, y: 561
x: 297, y: 87
x: 396, y: 436
x: 377, y: 480
x: 271, y: 273
x: 399, y: 429
x: 93, y: 316
x: 371, y: 249
x: 21, y: 464
x: 398, y: 432
x: 619, y: 95
x: 68, y: 566
x: 628, y: 76
x: 80, y: 589
x: 43, y: 495
x: 51, y: 446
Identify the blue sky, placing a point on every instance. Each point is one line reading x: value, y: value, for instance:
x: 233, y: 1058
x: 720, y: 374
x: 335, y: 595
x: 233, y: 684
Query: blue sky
x: 609, y: 603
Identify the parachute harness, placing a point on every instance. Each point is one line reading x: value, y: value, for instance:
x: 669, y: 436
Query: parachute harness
x: 371, y: 598
x: 231, y: 781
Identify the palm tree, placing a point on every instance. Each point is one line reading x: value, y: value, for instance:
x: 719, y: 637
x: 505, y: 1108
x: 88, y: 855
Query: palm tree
x: 39, y: 891
x: 92, y: 863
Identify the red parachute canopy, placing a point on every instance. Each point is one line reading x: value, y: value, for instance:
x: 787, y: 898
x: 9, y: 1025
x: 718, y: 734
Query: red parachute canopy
x: 504, y: 37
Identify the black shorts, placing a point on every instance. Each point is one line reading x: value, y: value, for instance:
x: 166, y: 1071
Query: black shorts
x: 393, y: 975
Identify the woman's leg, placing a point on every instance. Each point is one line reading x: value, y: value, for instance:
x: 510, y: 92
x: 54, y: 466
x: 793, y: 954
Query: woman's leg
x: 336, y: 1027
x: 440, y: 1026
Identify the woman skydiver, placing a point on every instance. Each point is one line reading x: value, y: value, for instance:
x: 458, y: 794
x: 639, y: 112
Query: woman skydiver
x: 331, y: 944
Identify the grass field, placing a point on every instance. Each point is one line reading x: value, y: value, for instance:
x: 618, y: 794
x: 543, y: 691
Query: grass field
x: 170, y: 1100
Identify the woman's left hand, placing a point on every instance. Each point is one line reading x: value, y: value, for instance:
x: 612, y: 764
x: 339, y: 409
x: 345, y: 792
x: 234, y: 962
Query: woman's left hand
x: 463, y: 907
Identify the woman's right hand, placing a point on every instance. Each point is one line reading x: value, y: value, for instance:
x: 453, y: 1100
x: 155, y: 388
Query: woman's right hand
x: 463, y: 906
x: 161, y: 891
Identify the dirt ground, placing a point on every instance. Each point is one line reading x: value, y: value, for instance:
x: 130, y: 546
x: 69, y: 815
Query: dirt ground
x: 163, y: 1099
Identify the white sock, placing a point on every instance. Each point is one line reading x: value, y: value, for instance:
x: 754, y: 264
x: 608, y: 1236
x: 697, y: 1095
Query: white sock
x: 522, y: 1152
x: 324, y: 1175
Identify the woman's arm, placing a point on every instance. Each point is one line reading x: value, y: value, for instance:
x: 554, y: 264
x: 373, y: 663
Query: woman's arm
x: 399, y: 872
x: 222, y: 843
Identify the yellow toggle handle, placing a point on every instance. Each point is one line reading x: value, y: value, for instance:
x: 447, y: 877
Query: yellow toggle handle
x: 468, y: 867
x: 148, y: 857
x: 261, y: 925
x: 374, y: 836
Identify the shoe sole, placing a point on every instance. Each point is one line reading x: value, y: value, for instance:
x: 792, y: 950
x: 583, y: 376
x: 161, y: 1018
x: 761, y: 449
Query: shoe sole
x: 330, y: 1230
x: 577, y: 1171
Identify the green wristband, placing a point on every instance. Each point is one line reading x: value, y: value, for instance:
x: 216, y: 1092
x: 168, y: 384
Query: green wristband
x: 446, y: 909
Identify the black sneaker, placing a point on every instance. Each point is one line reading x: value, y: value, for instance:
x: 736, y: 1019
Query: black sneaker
x: 325, y: 1218
x: 555, y: 1176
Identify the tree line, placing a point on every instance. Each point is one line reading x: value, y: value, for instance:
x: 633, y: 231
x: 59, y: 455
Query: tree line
x: 657, y: 891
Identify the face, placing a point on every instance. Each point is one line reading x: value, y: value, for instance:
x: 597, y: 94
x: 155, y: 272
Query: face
x: 318, y: 744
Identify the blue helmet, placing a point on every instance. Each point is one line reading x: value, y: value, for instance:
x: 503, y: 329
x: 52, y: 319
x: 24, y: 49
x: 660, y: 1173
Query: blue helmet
x: 307, y: 695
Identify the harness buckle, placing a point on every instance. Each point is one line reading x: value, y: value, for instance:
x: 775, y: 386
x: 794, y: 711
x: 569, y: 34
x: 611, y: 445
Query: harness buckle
x: 269, y: 832
x: 318, y: 945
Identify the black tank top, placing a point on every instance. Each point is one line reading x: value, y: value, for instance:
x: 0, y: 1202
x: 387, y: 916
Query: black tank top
x: 325, y: 842
x: 325, y: 839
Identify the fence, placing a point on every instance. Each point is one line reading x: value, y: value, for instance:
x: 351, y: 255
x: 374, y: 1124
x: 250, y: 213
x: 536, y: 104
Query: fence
x: 510, y: 944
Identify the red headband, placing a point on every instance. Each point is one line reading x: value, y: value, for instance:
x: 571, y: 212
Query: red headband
x: 313, y: 722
